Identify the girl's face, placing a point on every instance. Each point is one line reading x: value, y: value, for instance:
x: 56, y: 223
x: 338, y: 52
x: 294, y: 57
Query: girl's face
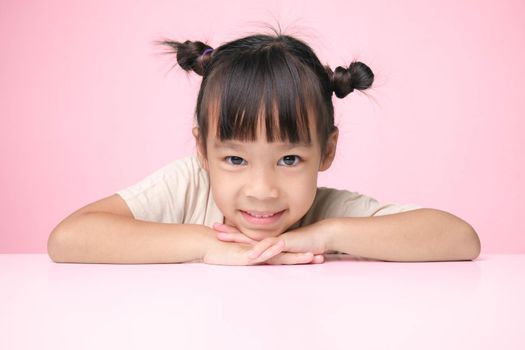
x: 264, y: 188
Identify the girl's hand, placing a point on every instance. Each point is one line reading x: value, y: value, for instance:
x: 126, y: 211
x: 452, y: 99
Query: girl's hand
x: 308, y: 239
x: 231, y: 253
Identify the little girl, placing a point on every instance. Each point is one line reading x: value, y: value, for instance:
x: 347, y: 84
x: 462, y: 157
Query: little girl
x: 265, y: 128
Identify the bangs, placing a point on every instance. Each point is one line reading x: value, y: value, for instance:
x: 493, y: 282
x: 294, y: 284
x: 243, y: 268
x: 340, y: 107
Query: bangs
x: 267, y: 89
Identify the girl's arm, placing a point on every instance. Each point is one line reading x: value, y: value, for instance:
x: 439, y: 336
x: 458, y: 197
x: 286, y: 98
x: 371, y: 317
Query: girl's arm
x: 416, y: 235
x: 101, y: 237
x: 98, y: 237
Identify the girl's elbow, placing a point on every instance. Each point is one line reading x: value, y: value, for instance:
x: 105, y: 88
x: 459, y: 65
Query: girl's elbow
x: 471, y: 243
x: 54, y: 247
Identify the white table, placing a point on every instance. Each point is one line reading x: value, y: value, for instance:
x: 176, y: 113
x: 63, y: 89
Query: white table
x: 345, y: 303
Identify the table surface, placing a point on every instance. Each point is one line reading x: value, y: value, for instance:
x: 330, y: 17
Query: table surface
x: 344, y: 303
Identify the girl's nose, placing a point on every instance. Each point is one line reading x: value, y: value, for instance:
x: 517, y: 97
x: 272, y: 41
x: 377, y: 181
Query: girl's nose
x: 261, y: 186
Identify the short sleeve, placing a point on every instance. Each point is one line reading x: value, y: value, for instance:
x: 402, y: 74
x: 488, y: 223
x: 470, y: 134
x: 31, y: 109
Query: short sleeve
x: 330, y: 203
x: 357, y: 204
x: 394, y: 208
x: 168, y: 195
x: 150, y: 199
x: 178, y: 193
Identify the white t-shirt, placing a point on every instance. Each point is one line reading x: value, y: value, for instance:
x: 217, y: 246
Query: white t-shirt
x: 179, y: 193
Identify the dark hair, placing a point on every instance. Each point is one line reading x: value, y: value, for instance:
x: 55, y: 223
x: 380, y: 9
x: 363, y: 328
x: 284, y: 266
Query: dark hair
x: 277, y: 77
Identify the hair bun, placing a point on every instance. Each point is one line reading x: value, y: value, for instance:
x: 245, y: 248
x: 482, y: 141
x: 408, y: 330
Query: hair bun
x: 344, y: 80
x: 189, y: 54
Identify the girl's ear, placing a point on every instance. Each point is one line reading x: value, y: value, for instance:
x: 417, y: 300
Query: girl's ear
x: 331, y: 145
x: 200, y: 148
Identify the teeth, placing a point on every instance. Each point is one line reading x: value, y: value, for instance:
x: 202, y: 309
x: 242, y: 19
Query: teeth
x: 261, y: 216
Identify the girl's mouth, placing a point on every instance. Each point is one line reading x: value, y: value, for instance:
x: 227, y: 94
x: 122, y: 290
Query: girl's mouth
x: 261, y: 218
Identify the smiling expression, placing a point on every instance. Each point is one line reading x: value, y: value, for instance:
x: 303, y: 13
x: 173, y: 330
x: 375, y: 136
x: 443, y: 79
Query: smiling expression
x: 261, y: 187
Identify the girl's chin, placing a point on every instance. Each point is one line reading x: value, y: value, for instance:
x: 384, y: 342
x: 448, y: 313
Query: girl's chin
x: 255, y: 234
x: 259, y: 235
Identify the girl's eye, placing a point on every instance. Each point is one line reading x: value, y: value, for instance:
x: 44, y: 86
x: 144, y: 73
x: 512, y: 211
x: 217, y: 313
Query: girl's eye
x: 234, y: 160
x: 290, y: 160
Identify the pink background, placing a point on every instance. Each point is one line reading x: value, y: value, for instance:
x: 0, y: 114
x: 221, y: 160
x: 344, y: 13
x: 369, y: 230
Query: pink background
x: 88, y: 106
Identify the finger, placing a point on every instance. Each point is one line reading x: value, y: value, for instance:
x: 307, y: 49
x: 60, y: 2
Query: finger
x: 291, y: 259
x: 262, y: 246
x: 224, y: 228
x: 235, y: 237
x: 318, y: 259
x: 225, y: 237
x: 266, y: 249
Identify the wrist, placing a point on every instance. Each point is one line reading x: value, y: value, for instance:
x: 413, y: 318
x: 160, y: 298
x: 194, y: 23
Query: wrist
x: 332, y: 233
x: 206, y: 238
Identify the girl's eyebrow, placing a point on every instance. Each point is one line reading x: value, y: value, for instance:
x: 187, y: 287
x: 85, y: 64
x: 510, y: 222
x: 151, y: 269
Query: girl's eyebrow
x: 239, y: 145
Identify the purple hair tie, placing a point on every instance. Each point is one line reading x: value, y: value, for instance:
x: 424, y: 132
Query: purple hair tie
x: 206, y: 51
